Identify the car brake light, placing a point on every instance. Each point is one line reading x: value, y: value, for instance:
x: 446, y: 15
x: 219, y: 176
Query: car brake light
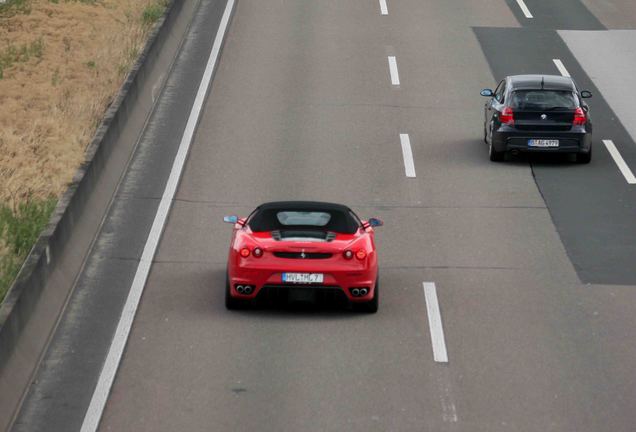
x: 361, y: 254
x: 507, y: 116
x: 579, y: 117
x: 347, y: 254
x: 257, y: 252
x: 245, y: 252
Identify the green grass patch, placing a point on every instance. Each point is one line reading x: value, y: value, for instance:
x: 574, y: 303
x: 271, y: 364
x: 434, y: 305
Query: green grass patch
x: 20, y: 54
x: 55, y: 80
x: 13, y: 7
x: 153, y: 12
x: 19, y: 230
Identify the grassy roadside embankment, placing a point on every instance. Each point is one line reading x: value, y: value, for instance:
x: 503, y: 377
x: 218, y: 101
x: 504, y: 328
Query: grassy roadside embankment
x: 61, y: 64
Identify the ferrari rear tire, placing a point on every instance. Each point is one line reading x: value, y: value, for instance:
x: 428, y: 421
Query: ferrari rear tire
x: 372, y: 305
x: 232, y: 303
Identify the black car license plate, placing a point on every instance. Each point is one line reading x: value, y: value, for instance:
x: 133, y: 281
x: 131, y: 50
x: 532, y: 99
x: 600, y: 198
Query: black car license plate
x: 543, y: 143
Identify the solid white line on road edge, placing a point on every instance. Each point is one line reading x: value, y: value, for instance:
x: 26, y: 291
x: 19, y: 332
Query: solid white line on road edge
x: 118, y: 344
x: 562, y: 70
x: 524, y: 8
x: 384, y: 10
x: 620, y: 162
x: 407, y: 153
x: 395, y: 77
x: 435, y: 323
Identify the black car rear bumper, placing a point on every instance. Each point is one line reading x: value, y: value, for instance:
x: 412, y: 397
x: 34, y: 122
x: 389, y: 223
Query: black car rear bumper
x: 509, y: 139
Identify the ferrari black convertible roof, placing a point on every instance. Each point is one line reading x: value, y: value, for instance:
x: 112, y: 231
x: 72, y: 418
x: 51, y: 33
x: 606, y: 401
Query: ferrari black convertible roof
x: 302, y: 206
x: 341, y: 219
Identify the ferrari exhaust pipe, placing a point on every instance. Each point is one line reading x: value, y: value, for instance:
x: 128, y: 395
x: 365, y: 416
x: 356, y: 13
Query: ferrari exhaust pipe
x: 355, y: 292
x: 240, y: 289
x: 247, y: 289
x: 363, y: 291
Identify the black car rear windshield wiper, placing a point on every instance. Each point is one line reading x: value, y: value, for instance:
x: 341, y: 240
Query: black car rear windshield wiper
x: 557, y: 108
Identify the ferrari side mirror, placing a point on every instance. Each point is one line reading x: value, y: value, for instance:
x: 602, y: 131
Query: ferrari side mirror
x: 375, y: 222
x: 230, y: 219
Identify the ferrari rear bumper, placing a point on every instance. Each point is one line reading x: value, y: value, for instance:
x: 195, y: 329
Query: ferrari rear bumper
x: 334, y: 278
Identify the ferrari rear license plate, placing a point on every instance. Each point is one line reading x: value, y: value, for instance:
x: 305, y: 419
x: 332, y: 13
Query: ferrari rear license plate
x: 307, y: 278
x: 543, y: 143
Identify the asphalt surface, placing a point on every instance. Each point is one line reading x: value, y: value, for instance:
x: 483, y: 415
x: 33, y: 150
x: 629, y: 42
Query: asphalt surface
x: 532, y: 258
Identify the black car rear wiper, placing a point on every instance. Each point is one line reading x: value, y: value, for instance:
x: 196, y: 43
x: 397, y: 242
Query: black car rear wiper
x: 557, y: 108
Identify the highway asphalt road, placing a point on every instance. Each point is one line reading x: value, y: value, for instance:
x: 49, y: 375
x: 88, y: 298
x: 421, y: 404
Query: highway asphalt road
x: 532, y: 259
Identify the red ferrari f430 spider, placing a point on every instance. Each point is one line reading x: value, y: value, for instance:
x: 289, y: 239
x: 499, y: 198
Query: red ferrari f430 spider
x: 302, y: 251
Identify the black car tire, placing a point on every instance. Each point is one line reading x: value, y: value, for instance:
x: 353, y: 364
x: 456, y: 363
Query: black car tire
x: 232, y: 303
x: 372, y: 305
x: 495, y: 156
x: 584, y: 158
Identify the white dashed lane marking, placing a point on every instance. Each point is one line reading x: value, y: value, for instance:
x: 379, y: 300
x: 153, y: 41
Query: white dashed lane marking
x: 524, y: 9
x: 562, y: 70
x: 393, y: 70
x: 384, y: 10
x: 435, y: 323
x: 620, y: 162
x: 407, y: 154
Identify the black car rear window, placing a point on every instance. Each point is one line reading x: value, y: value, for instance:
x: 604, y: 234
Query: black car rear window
x: 284, y: 219
x: 543, y: 100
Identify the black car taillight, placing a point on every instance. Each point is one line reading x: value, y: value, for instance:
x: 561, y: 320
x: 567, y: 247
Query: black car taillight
x: 579, y: 117
x: 507, y: 116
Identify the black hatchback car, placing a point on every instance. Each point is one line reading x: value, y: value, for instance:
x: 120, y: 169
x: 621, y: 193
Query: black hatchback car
x: 537, y: 113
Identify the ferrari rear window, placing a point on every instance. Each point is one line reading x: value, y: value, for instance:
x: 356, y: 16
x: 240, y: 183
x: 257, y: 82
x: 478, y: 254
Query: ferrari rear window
x: 296, y: 218
x: 543, y: 100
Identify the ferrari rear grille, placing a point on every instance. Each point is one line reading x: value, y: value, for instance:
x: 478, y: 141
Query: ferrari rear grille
x: 303, y: 255
x: 321, y: 293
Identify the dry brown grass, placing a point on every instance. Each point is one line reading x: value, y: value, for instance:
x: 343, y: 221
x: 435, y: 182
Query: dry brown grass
x: 51, y: 103
x: 61, y: 63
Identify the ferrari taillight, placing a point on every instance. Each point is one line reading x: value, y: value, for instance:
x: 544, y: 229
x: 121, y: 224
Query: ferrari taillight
x: 347, y: 254
x: 245, y: 252
x: 257, y: 252
x: 361, y: 254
